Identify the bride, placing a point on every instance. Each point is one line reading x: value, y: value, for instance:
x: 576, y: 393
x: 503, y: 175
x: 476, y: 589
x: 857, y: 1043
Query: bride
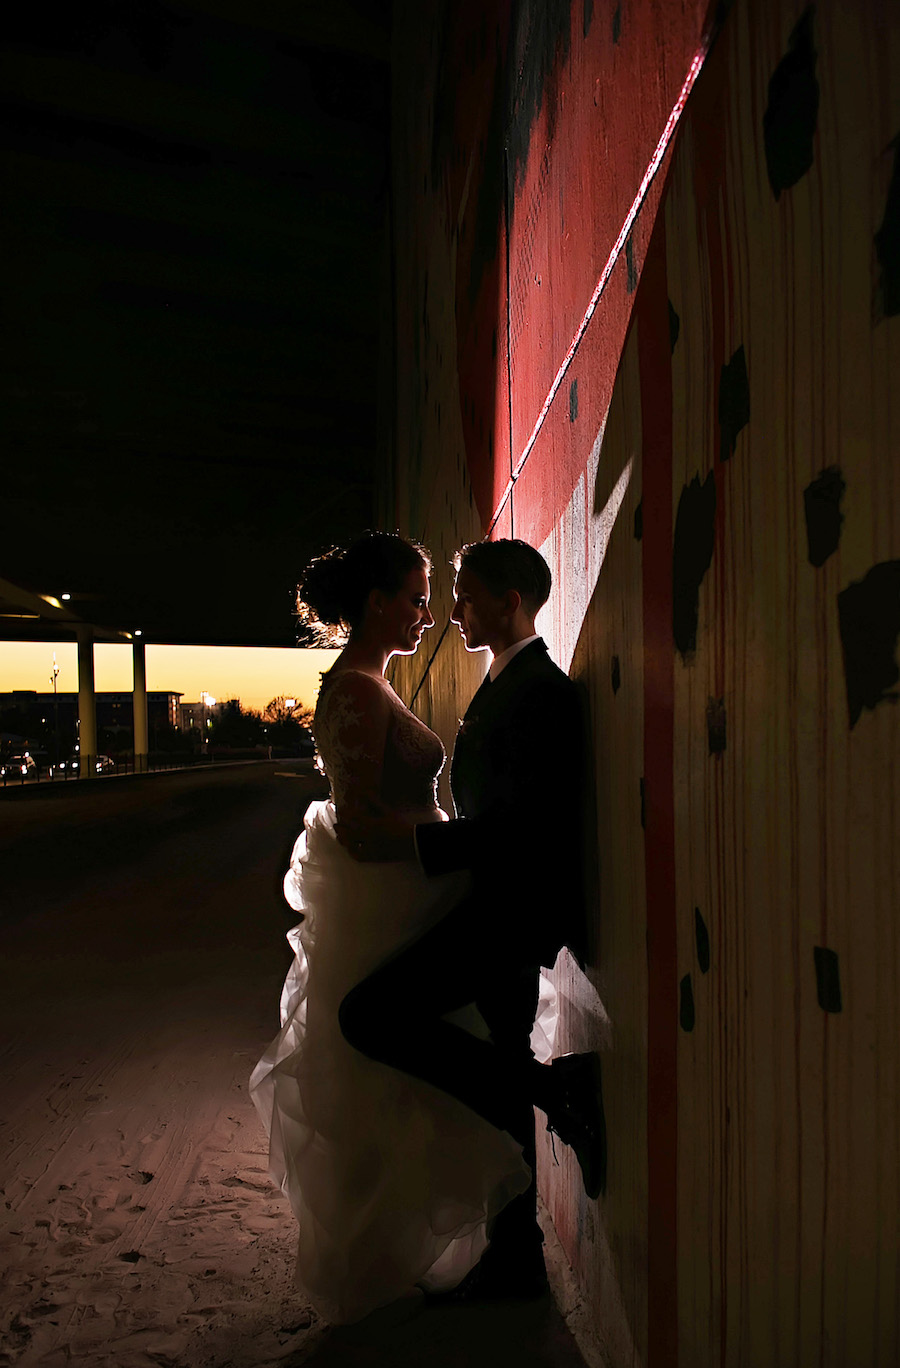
x: 393, y: 1182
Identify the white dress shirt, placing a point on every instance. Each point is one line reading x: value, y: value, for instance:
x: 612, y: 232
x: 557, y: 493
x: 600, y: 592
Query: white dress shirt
x: 501, y: 661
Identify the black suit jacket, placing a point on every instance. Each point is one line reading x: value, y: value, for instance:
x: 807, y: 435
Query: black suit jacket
x: 517, y: 783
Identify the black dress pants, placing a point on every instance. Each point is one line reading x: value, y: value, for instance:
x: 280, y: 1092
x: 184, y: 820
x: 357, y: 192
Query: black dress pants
x: 396, y: 1016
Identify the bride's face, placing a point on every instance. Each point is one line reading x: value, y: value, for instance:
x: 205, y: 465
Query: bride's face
x: 405, y: 615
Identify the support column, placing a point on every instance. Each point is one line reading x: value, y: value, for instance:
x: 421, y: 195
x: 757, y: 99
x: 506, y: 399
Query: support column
x: 141, y: 729
x: 87, y: 705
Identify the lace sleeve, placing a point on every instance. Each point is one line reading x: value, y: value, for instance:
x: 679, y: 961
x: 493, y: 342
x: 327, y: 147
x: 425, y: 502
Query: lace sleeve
x: 351, y: 729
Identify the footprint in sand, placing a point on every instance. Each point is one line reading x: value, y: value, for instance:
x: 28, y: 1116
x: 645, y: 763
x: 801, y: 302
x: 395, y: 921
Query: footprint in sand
x: 234, y: 1181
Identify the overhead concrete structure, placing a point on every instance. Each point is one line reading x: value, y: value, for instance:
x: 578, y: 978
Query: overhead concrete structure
x: 26, y: 616
x: 195, y: 196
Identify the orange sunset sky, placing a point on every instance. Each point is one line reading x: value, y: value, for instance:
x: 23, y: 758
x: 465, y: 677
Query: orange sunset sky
x: 254, y: 674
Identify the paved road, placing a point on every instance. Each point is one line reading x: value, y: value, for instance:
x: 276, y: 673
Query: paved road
x: 141, y: 931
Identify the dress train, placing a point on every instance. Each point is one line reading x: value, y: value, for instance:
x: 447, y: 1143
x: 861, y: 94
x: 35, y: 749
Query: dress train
x: 392, y: 1181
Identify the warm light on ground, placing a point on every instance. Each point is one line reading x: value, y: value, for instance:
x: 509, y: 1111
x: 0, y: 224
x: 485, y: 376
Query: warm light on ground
x: 254, y: 674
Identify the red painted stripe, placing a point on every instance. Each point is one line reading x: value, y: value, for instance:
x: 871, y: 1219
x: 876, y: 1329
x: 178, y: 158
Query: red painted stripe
x: 618, y: 246
x: 654, y: 353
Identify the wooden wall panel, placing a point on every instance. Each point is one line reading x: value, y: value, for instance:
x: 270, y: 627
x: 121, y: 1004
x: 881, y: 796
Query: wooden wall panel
x: 606, y: 1008
x: 718, y: 498
x: 783, y: 1253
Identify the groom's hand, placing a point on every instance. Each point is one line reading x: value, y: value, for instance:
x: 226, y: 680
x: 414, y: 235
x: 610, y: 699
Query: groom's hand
x: 374, y: 838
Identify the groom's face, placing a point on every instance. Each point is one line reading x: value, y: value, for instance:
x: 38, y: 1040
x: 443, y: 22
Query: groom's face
x: 479, y: 616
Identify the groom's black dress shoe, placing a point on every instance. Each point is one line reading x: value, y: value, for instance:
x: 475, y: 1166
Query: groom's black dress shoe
x: 578, y: 1117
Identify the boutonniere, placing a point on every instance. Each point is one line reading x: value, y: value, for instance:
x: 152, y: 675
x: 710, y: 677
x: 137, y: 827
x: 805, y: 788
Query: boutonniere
x: 465, y: 725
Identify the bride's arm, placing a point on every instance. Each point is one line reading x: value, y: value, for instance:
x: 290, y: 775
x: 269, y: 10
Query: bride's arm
x: 352, y: 735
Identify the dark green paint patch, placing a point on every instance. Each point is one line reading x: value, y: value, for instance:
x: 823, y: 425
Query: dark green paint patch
x: 716, y: 725
x: 822, y: 507
x: 869, y: 620
x: 734, y: 402
x: 789, y: 123
x: 828, y: 979
x: 674, y: 327
x: 542, y: 38
x: 587, y: 17
x: 701, y: 935
x: 691, y: 558
x: 887, y: 247
x: 631, y: 278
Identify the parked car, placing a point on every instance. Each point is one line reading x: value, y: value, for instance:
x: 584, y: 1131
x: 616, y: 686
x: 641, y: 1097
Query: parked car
x: 102, y: 764
x: 18, y: 767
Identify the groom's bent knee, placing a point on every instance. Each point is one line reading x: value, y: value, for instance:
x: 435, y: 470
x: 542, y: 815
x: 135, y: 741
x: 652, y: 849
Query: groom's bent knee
x: 351, y: 1020
x: 366, y: 1025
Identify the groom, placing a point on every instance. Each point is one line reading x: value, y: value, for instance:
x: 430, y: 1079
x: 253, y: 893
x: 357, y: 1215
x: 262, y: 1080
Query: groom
x: 516, y: 780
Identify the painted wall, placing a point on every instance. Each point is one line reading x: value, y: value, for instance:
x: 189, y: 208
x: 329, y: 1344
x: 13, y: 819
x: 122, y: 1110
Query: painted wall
x: 681, y: 385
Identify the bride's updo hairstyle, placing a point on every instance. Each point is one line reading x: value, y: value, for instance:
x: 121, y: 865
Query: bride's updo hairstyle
x: 334, y: 588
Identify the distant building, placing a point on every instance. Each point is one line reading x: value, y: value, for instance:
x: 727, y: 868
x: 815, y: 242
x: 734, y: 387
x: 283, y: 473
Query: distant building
x: 194, y: 716
x: 114, y: 709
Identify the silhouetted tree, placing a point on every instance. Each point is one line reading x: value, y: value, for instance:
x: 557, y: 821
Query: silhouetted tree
x: 287, y: 726
x: 235, y: 727
x: 278, y: 711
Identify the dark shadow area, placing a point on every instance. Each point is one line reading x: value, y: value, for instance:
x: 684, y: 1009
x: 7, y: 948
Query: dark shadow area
x: 195, y: 199
x: 527, y: 1335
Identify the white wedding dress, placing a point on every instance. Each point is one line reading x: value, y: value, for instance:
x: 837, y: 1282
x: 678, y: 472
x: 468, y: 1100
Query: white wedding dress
x: 392, y: 1181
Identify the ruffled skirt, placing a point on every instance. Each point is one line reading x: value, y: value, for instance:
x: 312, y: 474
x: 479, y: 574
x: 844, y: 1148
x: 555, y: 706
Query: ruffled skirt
x: 392, y: 1181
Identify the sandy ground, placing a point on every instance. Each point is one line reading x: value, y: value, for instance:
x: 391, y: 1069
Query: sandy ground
x: 142, y: 948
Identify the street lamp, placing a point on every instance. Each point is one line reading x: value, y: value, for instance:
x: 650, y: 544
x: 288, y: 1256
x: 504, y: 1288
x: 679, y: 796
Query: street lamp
x: 53, y: 678
x: 207, y: 701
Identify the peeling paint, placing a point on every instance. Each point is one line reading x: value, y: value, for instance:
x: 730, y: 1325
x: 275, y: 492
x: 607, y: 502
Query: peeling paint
x: 541, y: 45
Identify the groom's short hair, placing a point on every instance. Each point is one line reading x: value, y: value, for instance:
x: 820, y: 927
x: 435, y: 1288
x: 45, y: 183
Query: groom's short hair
x: 508, y: 564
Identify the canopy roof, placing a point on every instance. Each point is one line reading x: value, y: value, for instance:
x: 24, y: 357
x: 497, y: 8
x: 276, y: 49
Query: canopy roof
x: 194, y: 194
